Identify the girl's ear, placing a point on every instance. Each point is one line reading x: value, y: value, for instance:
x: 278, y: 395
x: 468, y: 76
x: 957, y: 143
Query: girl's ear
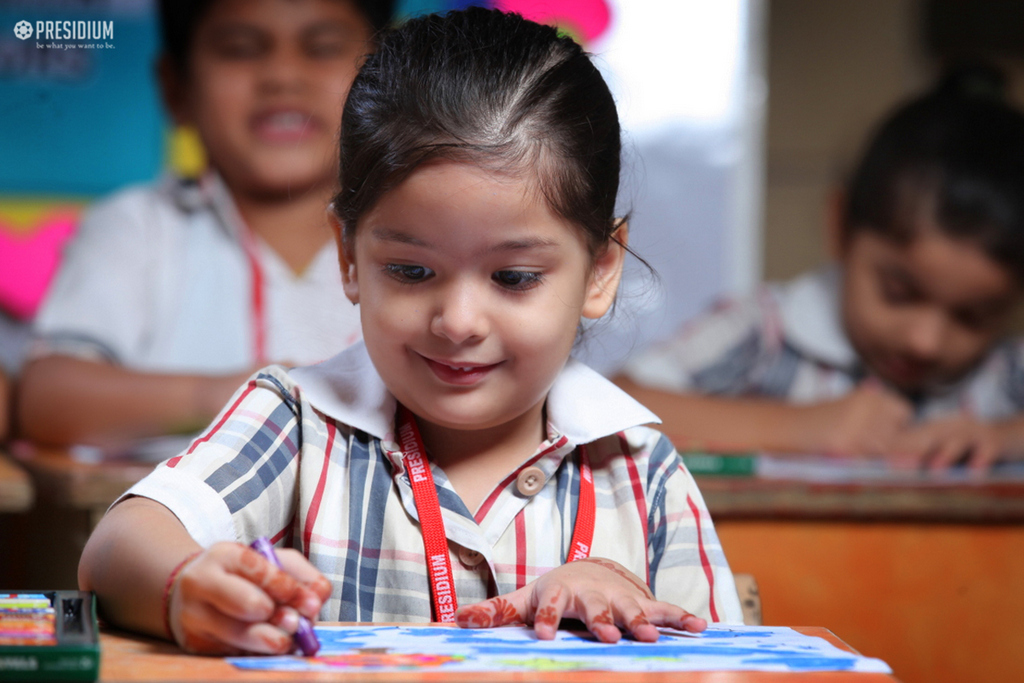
x: 606, y: 274
x: 346, y: 257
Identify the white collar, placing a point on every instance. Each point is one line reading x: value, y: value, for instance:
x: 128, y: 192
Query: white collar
x: 582, y: 405
x: 208, y: 192
x: 810, y: 307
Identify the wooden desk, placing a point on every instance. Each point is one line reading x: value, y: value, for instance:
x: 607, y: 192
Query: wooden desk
x: 71, y: 497
x: 927, y: 578
x: 16, y: 492
x: 63, y: 481
x: 930, y: 579
x: 126, y: 657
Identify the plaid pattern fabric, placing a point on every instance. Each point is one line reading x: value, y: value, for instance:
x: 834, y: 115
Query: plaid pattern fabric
x: 787, y: 342
x: 280, y: 462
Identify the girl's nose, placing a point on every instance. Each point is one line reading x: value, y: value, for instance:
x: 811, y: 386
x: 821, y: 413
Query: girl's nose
x: 460, y: 315
x: 926, y: 335
x: 284, y: 68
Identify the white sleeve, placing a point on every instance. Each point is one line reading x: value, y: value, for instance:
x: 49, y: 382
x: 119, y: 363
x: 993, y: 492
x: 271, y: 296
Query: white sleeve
x: 716, y: 353
x: 99, y: 304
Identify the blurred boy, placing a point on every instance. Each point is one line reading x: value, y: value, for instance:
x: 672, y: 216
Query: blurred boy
x: 172, y: 294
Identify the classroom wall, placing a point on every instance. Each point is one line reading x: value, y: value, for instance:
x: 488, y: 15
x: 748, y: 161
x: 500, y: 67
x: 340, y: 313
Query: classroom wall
x: 834, y: 68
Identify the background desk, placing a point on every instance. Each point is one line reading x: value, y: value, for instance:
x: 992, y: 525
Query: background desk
x: 46, y: 540
x: 930, y: 579
x: 16, y: 492
x: 133, y: 658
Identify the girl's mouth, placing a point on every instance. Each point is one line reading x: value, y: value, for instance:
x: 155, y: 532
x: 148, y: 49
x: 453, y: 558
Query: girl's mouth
x: 459, y: 373
x: 284, y: 125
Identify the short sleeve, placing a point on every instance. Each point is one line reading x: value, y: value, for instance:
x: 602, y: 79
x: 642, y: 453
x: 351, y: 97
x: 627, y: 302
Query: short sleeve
x: 238, y: 479
x: 99, y: 301
x: 717, y: 353
x: 687, y: 564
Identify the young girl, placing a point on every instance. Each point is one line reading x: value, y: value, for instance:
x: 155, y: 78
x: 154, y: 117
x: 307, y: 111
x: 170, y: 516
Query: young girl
x: 898, y: 349
x: 172, y: 294
x: 460, y: 446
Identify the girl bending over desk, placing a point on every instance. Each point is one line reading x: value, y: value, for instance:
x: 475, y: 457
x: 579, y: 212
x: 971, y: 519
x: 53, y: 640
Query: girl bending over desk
x: 460, y: 446
x: 899, y: 348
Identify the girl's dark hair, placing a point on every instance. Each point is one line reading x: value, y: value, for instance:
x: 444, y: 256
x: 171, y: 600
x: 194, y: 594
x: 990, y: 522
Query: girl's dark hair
x: 956, y: 153
x: 180, y: 18
x: 487, y: 88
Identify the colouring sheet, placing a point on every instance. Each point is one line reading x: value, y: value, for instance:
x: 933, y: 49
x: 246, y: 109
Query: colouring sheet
x: 512, y: 649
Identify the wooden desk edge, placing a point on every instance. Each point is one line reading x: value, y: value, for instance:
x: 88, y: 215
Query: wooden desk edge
x: 131, y: 657
x: 62, y: 480
x: 752, y: 498
x: 16, y: 490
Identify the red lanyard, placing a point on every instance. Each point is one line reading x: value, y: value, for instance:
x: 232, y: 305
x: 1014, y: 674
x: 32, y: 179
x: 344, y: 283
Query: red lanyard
x: 435, y: 542
x: 225, y: 208
x: 259, y: 326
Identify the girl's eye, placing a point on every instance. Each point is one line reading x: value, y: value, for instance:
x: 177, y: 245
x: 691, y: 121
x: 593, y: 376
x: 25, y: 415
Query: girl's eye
x: 898, y: 292
x: 240, y: 44
x: 408, y: 274
x: 517, y: 279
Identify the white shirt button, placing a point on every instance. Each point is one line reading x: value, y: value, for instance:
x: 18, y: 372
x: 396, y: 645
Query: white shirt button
x: 530, y: 481
x: 469, y: 557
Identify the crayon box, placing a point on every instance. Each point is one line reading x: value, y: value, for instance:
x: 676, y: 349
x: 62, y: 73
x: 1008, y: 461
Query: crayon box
x: 48, y: 636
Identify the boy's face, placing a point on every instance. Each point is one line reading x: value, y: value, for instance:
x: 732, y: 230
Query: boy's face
x: 920, y: 315
x: 471, y: 291
x: 265, y: 87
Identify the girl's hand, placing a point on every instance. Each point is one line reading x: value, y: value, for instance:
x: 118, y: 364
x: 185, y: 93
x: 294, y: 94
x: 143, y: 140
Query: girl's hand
x: 231, y: 600
x: 941, y: 443
x: 601, y: 593
x: 867, y: 421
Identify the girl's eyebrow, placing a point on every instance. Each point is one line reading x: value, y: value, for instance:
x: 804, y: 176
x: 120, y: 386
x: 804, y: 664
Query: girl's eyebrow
x: 522, y: 244
x: 388, y: 235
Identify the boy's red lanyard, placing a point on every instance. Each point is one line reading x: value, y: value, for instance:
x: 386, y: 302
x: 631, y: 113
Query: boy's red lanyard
x: 230, y: 214
x: 259, y: 326
x: 435, y: 542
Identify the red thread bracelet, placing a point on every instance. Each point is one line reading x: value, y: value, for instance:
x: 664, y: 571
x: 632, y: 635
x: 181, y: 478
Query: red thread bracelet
x: 165, y: 601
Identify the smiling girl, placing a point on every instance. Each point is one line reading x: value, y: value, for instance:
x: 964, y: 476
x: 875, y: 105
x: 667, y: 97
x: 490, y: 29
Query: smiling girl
x: 461, y: 446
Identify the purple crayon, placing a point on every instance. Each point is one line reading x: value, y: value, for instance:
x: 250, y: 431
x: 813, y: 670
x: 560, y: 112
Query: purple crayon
x: 305, y: 638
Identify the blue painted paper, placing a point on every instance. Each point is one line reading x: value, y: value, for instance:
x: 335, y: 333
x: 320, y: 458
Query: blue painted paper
x: 516, y: 649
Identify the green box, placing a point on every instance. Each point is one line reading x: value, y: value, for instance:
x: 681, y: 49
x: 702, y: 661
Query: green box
x: 720, y: 465
x: 75, y: 657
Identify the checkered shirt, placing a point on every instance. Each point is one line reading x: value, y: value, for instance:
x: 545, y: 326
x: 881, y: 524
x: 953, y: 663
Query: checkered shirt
x: 309, y: 458
x: 787, y: 342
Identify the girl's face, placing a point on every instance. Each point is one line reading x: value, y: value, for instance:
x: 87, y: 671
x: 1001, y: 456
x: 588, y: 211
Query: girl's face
x: 471, y: 291
x: 921, y: 315
x: 265, y: 87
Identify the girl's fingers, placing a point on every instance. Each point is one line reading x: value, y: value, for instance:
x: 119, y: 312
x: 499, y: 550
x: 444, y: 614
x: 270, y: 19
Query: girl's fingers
x: 499, y: 611
x: 948, y: 453
x: 593, y: 608
x: 631, y: 617
x: 233, y: 596
x: 286, y: 619
x: 666, y: 614
x: 551, y: 604
x: 207, y: 631
x: 984, y: 455
x: 296, y: 564
x: 281, y: 586
x: 277, y: 583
